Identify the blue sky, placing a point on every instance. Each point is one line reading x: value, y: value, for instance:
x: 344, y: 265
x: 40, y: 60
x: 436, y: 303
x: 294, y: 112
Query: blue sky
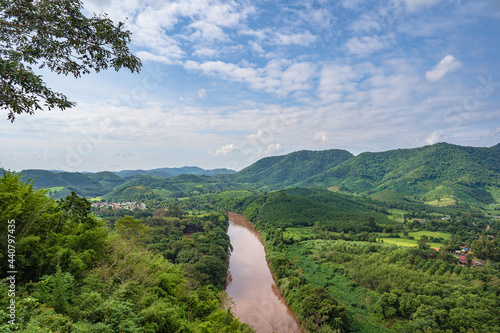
x: 225, y: 83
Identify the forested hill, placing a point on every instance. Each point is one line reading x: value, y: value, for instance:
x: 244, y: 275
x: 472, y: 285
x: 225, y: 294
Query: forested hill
x: 442, y: 173
x: 438, y: 170
x: 292, y: 168
x: 470, y: 174
x: 100, y: 183
x: 172, y: 172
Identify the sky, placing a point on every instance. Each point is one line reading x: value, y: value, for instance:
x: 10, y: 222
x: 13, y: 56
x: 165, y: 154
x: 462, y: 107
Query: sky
x: 225, y: 83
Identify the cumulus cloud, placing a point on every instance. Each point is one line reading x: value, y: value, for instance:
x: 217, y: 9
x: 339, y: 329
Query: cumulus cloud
x: 278, y: 76
x: 227, y: 149
x: 263, y: 136
x: 256, y: 47
x: 367, y: 45
x: 447, y: 65
x: 272, y: 149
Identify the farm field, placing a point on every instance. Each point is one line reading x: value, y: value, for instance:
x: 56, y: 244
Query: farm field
x: 417, y: 235
x: 408, y: 242
x: 434, y: 234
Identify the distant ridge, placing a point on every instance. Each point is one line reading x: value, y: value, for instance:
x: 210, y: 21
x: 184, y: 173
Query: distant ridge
x: 442, y: 173
x: 100, y: 183
x: 172, y: 172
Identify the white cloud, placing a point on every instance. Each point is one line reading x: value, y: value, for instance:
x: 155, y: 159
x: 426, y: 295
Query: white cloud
x: 227, y: 149
x: 162, y: 28
x: 321, y: 136
x: 433, y: 138
x: 298, y: 75
x: 368, y: 44
x: 205, y: 52
x: 256, y: 47
x: 207, y: 32
x: 352, y: 4
x: 337, y: 81
x: 147, y: 56
x: 415, y: 5
x: 278, y: 76
x: 303, y: 38
x: 202, y: 93
x: 272, y: 149
x: 447, y: 65
x: 263, y: 136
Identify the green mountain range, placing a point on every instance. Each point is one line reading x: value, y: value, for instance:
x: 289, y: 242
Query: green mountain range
x: 441, y: 174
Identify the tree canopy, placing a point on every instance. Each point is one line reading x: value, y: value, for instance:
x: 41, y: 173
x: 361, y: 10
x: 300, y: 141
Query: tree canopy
x: 57, y: 35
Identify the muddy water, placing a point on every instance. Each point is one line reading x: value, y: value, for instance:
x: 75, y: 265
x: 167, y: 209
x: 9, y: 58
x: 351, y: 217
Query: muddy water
x: 256, y: 298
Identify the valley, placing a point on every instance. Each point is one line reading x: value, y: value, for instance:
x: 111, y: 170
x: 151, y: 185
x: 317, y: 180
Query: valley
x: 400, y: 241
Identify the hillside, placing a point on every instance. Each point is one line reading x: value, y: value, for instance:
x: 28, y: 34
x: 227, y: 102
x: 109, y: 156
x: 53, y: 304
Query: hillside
x: 290, y: 169
x: 172, y: 172
x: 438, y: 174
x: 441, y: 175
x: 104, y: 182
x: 464, y: 173
x: 307, y: 207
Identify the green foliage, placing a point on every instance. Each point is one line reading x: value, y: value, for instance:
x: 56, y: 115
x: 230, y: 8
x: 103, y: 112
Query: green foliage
x: 56, y: 290
x: 319, y: 308
x: 76, y: 276
x: 57, y: 35
x: 306, y: 207
x: 48, y: 233
x: 290, y: 169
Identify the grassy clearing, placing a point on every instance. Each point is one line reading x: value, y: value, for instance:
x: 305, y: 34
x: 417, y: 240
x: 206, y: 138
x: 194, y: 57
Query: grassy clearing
x: 443, y: 202
x: 396, y: 215
x: 408, y: 242
x: 418, y: 234
x: 55, y: 188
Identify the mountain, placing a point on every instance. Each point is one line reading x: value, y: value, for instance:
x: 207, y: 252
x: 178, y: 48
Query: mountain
x: 457, y: 170
x: 100, y: 183
x: 86, y: 184
x: 441, y: 174
x: 290, y: 169
x: 172, y: 172
x: 434, y: 172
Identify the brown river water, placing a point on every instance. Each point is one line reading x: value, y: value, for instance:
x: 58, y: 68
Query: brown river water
x: 257, y: 299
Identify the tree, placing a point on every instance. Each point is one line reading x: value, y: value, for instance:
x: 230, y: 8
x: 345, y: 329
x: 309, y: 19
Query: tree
x: 57, y: 35
x: 422, y: 243
x: 485, y: 248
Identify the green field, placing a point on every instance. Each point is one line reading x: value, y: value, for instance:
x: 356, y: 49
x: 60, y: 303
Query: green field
x: 56, y: 188
x: 396, y: 214
x: 443, y: 202
x: 417, y: 235
x: 408, y: 242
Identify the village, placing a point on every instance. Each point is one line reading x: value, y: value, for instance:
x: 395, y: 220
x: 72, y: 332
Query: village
x: 118, y: 205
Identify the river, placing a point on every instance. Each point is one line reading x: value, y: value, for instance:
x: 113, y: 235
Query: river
x: 257, y: 300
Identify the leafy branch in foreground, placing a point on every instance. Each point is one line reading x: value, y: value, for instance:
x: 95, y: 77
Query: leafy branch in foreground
x: 57, y: 35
